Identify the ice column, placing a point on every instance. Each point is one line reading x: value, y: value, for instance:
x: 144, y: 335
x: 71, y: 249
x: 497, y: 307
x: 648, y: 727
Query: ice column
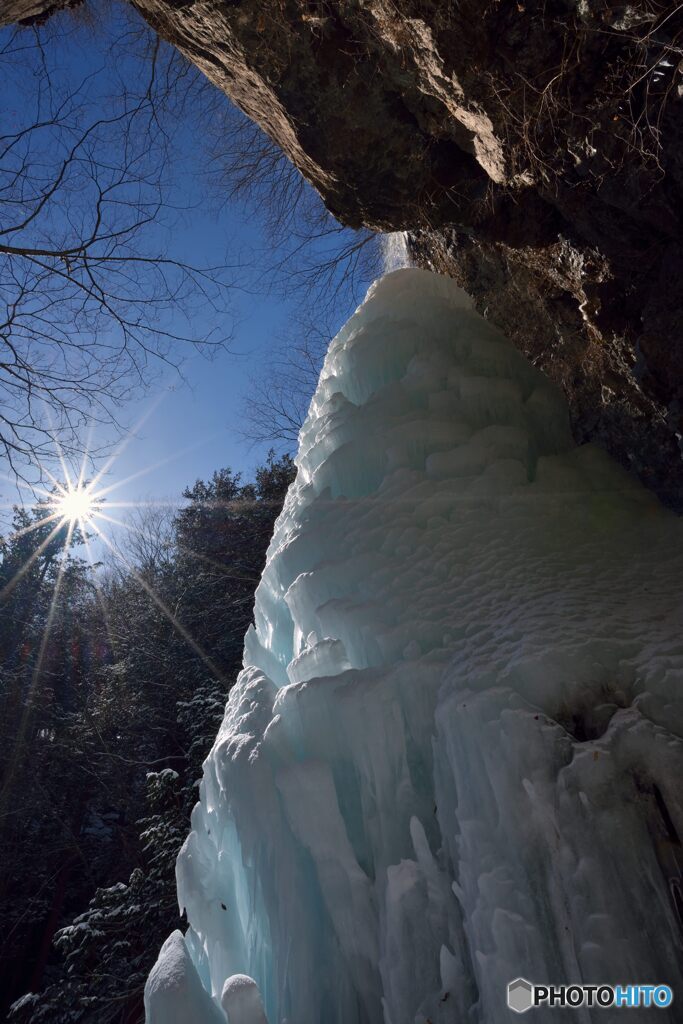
x: 454, y: 754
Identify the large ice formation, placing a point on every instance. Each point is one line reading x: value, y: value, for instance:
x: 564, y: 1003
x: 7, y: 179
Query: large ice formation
x: 454, y: 754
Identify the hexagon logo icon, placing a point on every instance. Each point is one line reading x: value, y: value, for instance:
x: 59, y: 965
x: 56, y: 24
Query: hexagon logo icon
x: 520, y: 995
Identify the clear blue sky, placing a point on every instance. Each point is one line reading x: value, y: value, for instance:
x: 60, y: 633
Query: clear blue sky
x: 192, y: 423
x: 191, y: 428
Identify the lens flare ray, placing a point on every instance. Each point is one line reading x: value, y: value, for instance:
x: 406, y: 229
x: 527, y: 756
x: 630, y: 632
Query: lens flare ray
x: 75, y: 506
x: 161, y: 605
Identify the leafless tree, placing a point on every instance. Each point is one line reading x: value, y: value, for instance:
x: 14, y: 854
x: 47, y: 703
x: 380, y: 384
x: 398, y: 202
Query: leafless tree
x: 92, y: 296
x: 322, y: 268
x: 277, y: 400
x: 310, y: 252
x: 145, y: 542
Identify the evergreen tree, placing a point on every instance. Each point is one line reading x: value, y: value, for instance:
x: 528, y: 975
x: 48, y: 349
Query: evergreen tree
x: 142, y: 678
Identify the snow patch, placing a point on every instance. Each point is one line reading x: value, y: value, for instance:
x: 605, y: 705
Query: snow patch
x: 241, y: 1001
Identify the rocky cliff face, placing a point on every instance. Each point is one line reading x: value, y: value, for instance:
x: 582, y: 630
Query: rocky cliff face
x: 533, y: 149
x: 537, y: 297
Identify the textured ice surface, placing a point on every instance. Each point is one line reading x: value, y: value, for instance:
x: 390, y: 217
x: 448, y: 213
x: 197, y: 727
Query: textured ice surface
x: 241, y: 1001
x: 453, y: 756
x: 174, y: 993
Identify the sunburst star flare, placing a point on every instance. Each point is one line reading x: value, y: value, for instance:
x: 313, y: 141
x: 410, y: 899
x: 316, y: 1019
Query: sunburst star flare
x: 76, y: 504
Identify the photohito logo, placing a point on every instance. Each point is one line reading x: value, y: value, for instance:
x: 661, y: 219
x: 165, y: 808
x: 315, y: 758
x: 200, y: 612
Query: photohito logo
x: 523, y: 995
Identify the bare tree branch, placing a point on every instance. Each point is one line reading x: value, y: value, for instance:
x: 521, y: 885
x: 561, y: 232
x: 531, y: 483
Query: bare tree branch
x: 322, y: 268
x: 93, y: 298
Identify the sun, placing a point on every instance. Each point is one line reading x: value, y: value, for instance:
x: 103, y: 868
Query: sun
x: 76, y: 504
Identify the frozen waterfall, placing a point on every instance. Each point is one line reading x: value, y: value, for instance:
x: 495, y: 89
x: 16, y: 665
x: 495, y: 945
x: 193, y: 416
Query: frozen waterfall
x: 454, y: 754
x: 395, y: 254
